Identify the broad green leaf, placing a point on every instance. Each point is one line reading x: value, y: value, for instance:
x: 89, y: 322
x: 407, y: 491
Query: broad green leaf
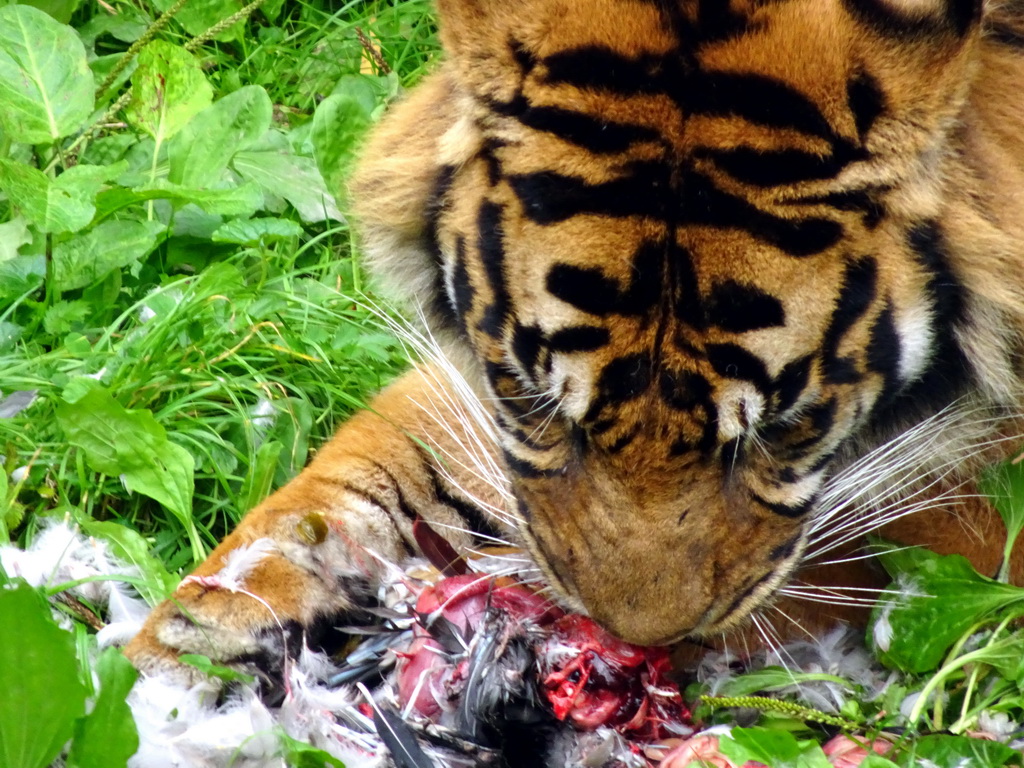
x: 13, y: 235
x: 252, y: 232
x: 21, y: 274
x: 168, y: 90
x: 200, y: 153
x: 243, y: 200
x: 775, y: 748
x: 340, y: 122
x: 941, y: 598
x: 944, y: 751
x: 86, y: 258
x: 62, y: 205
x: 197, y: 16
x: 46, y: 86
x: 41, y: 695
x: 131, y: 445
x: 1004, y: 485
x: 60, y: 10
x: 295, y: 178
x: 107, y: 737
x: 129, y: 547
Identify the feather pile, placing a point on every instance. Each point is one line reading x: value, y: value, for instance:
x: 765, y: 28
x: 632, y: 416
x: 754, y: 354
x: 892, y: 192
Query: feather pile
x: 462, y: 667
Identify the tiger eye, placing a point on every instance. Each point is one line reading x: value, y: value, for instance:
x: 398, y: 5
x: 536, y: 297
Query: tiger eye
x: 312, y: 528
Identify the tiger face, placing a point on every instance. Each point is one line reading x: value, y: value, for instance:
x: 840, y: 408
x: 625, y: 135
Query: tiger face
x: 693, y: 249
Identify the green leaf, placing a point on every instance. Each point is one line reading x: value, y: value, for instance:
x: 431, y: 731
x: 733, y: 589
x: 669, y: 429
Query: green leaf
x: 63, y: 316
x: 41, y: 695
x: 108, y: 737
x: 295, y: 178
x: 129, y: 547
x: 208, y: 668
x: 877, y: 761
x: 339, y: 123
x: 242, y: 200
x: 168, y: 90
x: 1004, y: 485
x: 299, y: 754
x: 13, y: 235
x: 46, y: 86
x: 197, y: 16
x: 771, y: 678
x: 775, y: 748
x: 132, y: 445
x: 253, y: 232
x: 62, y: 205
x: 60, y: 10
x: 941, y: 598
x: 943, y: 751
x: 200, y: 153
x: 87, y: 258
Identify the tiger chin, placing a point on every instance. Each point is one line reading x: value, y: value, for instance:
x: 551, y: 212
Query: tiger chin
x: 718, y: 286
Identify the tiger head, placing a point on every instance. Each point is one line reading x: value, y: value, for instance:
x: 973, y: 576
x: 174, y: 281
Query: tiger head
x: 692, y: 249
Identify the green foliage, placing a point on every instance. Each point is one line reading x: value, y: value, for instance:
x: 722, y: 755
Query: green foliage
x: 46, y: 86
x: 941, y: 599
x: 42, y: 695
x: 178, y: 323
x: 773, y: 747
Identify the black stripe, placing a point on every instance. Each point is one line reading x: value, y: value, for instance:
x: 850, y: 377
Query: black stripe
x: 527, y: 344
x: 375, y: 501
x: 579, y: 338
x: 620, y: 443
x: 732, y: 361
x: 884, y: 352
x: 593, y: 134
x: 491, y: 248
x: 784, y: 550
x: 1005, y: 34
x: 779, y: 167
x: 866, y: 101
x: 523, y: 468
x: 548, y: 197
x: 791, y: 511
x: 591, y: 290
x: 463, y: 293
x: 864, y: 201
x: 684, y: 390
x: 738, y: 307
x: 436, y: 202
x: 791, y: 383
x: 705, y: 204
x: 477, y: 519
x: 855, y: 297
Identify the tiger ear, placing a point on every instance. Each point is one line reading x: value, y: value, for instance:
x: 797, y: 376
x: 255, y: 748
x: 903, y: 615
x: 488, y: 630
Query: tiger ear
x: 907, y: 17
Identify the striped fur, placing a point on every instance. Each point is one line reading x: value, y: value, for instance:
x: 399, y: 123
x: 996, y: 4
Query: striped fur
x: 694, y: 257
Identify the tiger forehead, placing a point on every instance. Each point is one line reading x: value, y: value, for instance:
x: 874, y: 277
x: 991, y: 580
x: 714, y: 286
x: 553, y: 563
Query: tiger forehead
x: 629, y: 62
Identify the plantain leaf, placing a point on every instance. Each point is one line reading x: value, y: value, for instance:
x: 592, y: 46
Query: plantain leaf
x: 168, y: 90
x: 133, y: 446
x: 199, y: 154
x: 107, y: 737
x: 88, y: 257
x: 41, y: 695
x: 46, y: 86
x: 66, y: 204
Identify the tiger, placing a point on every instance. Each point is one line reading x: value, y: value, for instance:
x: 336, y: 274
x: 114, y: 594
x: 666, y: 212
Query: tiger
x: 711, y: 288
